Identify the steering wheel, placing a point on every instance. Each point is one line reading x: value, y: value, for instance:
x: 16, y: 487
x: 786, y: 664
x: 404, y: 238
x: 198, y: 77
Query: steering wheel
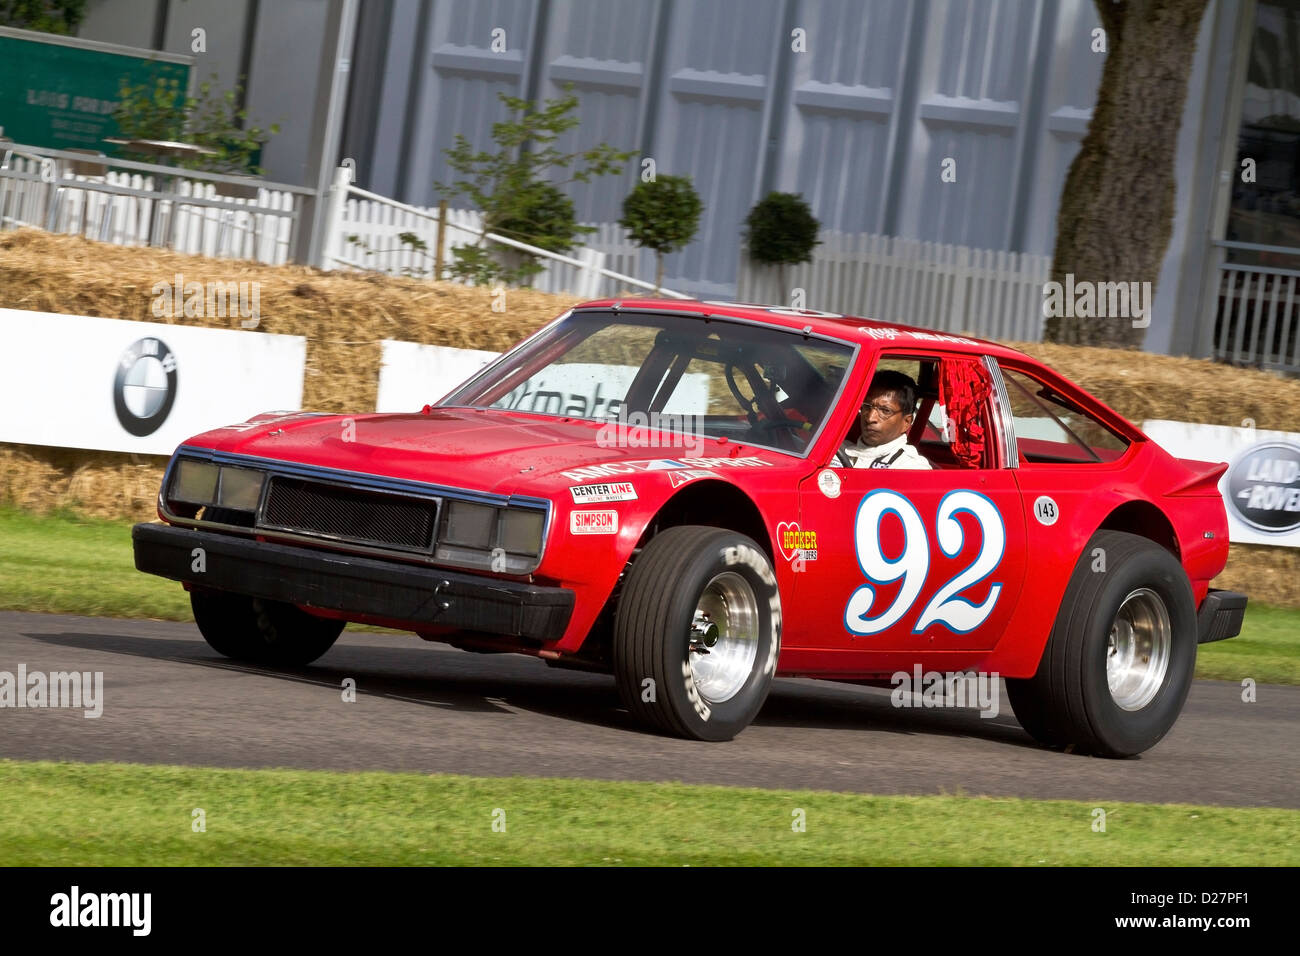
x: 750, y: 405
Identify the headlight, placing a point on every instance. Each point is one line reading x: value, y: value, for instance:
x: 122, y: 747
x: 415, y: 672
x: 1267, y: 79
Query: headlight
x: 209, y: 485
x: 505, y: 540
x: 195, y: 482
x: 468, y: 524
x: 240, y: 488
x: 521, y: 531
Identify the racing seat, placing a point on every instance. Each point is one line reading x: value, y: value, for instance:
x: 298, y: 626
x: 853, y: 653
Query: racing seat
x: 963, y: 387
x: 927, y: 391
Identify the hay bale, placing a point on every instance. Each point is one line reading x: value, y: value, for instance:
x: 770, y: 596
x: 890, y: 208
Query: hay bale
x: 1142, y: 386
x: 101, y: 484
x: 1266, y: 574
x: 344, y: 315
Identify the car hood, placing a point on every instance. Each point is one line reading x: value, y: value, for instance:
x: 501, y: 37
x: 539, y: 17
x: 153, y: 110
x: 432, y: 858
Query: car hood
x: 485, y: 449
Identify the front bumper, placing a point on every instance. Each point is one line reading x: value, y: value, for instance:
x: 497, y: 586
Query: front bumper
x: 349, y: 584
x: 1220, y: 616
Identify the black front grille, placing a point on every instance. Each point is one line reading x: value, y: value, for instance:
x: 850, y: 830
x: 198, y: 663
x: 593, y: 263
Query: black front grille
x: 365, y: 517
x: 240, y: 519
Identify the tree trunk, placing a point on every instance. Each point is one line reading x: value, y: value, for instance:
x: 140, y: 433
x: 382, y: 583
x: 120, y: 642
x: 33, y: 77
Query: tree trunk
x: 1117, y: 205
x: 659, y: 271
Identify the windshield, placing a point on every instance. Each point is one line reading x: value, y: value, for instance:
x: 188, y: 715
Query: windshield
x: 753, y: 384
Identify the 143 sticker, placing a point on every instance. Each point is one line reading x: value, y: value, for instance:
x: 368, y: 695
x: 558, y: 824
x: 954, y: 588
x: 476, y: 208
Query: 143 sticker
x: 1045, y: 510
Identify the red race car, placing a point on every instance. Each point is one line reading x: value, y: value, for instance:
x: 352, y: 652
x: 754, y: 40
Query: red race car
x: 684, y: 494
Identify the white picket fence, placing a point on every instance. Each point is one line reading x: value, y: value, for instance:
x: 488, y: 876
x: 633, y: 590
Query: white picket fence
x: 380, y: 235
x: 139, y: 204
x: 982, y: 292
x: 367, y: 231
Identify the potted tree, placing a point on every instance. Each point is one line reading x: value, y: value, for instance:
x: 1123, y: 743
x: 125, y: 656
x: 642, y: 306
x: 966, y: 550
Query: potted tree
x: 662, y: 214
x: 212, y: 123
x: 781, y: 231
x: 517, y: 187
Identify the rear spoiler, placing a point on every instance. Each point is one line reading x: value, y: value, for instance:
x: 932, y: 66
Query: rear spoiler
x: 1202, y: 479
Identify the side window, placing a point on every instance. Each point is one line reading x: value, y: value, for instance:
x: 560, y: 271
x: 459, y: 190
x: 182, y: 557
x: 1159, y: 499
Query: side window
x: 1050, y: 429
x: 953, y: 426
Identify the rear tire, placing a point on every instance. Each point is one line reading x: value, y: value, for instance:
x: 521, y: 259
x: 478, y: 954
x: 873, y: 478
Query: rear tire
x: 1119, y: 661
x: 261, y: 632
x: 676, y: 671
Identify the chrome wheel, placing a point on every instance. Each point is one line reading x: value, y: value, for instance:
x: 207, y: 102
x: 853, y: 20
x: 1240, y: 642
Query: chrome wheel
x: 1138, y: 649
x: 724, y: 637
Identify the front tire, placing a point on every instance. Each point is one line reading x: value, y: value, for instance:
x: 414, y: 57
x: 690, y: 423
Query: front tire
x: 697, y: 633
x: 1119, y: 661
x: 261, y: 632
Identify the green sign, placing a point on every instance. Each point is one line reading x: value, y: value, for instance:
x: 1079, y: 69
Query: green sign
x: 60, y: 92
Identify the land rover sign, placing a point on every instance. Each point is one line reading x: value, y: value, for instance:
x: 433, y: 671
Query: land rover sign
x: 1264, y: 487
x: 60, y: 92
x: 1261, y: 484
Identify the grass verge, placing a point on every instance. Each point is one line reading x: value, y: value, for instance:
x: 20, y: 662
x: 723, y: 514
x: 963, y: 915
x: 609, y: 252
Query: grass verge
x: 66, y: 564
x: 73, y: 565
x: 63, y: 814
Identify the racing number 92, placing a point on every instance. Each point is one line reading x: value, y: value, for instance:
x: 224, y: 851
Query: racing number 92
x: 946, y: 607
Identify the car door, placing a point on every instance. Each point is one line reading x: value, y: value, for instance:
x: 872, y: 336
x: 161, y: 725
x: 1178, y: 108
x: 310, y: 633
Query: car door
x: 908, y: 560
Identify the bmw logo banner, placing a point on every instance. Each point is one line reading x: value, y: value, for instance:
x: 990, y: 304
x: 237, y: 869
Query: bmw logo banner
x: 1261, y: 488
x: 80, y: 382
x: 144, y: 390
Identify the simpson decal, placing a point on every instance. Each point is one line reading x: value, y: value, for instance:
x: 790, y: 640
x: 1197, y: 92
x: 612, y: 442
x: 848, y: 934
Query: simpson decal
x: 593, y: 522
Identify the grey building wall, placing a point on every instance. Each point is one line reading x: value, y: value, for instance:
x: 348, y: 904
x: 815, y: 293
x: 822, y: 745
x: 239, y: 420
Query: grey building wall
x: 128, y: 22
x: 860, y: 123
x: 283, y: 73
x: 276, y: 44
x: 224, y: 23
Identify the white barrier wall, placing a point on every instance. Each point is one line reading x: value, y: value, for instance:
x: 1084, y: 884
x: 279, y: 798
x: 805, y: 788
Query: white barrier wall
x: 145, y: 387
x: 412, y: 376
x: 1261, y: 488
x: 78, y: 382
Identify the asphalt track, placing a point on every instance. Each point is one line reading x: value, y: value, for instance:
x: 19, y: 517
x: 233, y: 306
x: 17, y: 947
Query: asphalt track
x: 169, y: 698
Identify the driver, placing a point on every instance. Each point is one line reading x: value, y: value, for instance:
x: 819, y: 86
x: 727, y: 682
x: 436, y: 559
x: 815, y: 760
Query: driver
x: 886, y: 418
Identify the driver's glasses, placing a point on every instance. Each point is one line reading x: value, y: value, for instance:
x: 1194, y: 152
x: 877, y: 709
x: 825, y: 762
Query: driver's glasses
x: 882, y: 411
